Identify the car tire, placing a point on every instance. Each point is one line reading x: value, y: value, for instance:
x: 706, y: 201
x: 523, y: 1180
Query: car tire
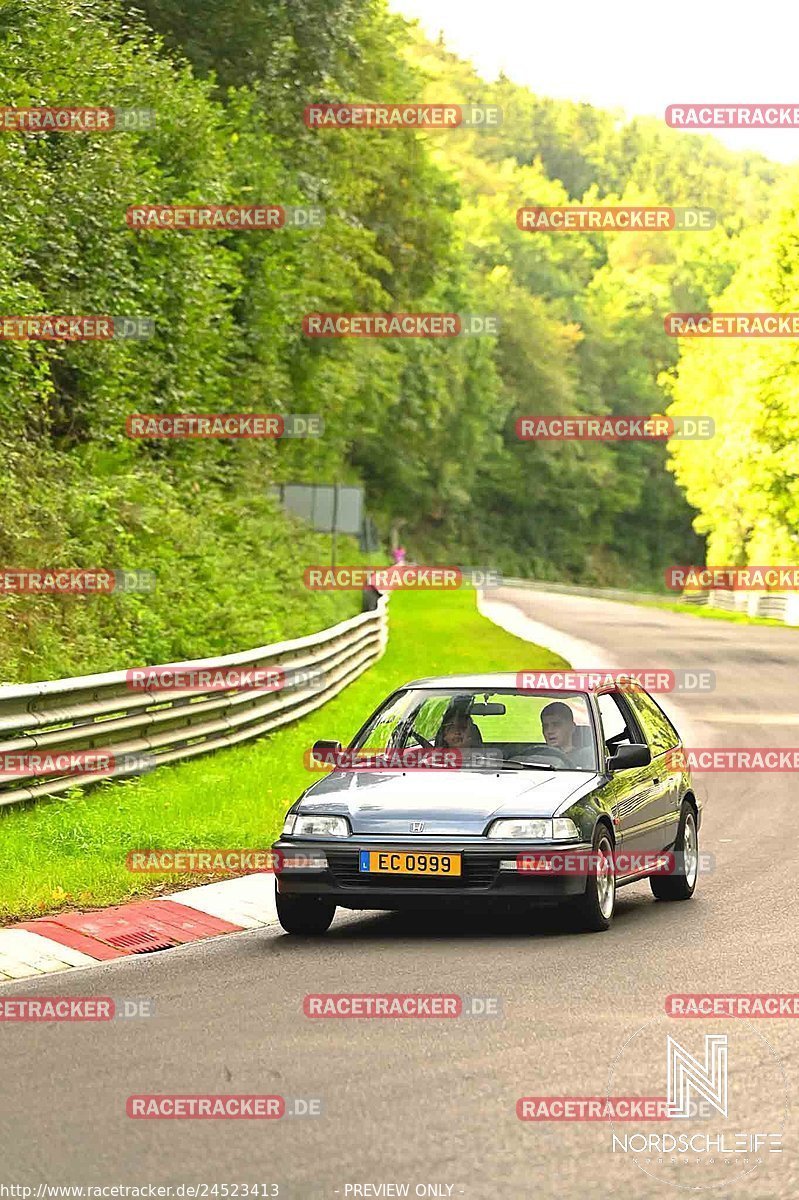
x: 594, y: 910
x: 304, y: 915
x: 681, y: 884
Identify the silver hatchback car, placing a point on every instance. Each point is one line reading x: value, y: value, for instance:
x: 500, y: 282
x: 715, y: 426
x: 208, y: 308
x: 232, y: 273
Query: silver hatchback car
x: 463, y: 789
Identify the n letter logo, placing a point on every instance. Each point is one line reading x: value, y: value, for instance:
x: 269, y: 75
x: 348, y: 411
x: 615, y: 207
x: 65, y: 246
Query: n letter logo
x: 708, y: 1079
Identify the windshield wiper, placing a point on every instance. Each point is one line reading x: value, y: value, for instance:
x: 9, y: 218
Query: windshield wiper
x: 528, y: 766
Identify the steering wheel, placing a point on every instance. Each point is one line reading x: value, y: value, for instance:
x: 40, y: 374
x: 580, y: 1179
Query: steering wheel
x: 534, y: 749
x: 421, y: 740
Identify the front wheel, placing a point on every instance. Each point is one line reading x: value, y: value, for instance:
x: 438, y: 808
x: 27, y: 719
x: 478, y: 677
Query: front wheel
x: 305, y: 915
x: 594, y: 909
x: 682, y: 883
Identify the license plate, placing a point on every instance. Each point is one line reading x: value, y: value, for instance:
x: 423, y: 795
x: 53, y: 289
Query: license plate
x: 409, y: 862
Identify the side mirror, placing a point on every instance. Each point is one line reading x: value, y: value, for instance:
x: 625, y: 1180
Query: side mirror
x: 627, y: 757
x: 326, y: 752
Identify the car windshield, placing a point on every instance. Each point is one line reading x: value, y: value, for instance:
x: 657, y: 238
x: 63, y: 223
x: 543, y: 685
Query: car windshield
x: 504, y: 727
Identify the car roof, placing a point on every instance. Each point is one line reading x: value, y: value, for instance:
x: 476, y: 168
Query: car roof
x: 510, y: 679
x: 499, y: 679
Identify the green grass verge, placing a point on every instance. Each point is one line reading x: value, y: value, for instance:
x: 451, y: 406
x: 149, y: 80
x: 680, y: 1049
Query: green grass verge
x: 714, y: 614
x: 71, y: 852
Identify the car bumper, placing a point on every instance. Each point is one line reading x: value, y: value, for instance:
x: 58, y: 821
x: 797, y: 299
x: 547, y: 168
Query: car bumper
x: 482, y: 879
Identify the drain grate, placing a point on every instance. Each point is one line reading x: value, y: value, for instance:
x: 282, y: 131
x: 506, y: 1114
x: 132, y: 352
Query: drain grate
x: 138, y: 943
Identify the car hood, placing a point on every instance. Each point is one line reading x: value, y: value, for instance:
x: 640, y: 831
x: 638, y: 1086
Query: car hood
x: 448, y: 802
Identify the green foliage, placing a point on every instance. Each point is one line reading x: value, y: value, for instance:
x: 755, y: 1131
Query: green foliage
x: 746, y: 482
x: 414, y: 221
x: 229, y: 574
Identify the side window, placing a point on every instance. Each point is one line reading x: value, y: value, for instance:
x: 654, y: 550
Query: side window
x: 619, y: 727
x: 427, y: 719
x: 387, y: 725
x: 660, y: 732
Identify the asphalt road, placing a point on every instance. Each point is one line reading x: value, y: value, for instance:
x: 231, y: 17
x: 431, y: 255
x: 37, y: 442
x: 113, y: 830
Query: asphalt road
x: 433, y: 1102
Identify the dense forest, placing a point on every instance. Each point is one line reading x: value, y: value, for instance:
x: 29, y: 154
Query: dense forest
x: 419, y: 221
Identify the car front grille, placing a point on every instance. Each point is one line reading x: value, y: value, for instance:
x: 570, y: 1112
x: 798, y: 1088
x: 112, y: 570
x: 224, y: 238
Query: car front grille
x: 478, y: 871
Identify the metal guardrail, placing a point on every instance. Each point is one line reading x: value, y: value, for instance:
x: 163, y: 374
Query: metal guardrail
x: 146, y: 727
x: 575, y: 589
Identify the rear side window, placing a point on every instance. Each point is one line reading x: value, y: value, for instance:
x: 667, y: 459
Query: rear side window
x: 660, y: 732
x: 619, y: 726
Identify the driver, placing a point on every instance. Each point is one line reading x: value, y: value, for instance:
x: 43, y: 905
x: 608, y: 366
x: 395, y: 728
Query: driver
x: 560, y: 729
x: 458, y: 732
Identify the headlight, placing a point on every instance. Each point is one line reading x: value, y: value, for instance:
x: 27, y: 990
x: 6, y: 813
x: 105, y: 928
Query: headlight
x: 538, y: 830
x: 321, y: 827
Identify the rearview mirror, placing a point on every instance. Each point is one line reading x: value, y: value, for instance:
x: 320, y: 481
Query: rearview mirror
x: 627, y: 757
x: 491, y: 709
x: 326, y: 751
